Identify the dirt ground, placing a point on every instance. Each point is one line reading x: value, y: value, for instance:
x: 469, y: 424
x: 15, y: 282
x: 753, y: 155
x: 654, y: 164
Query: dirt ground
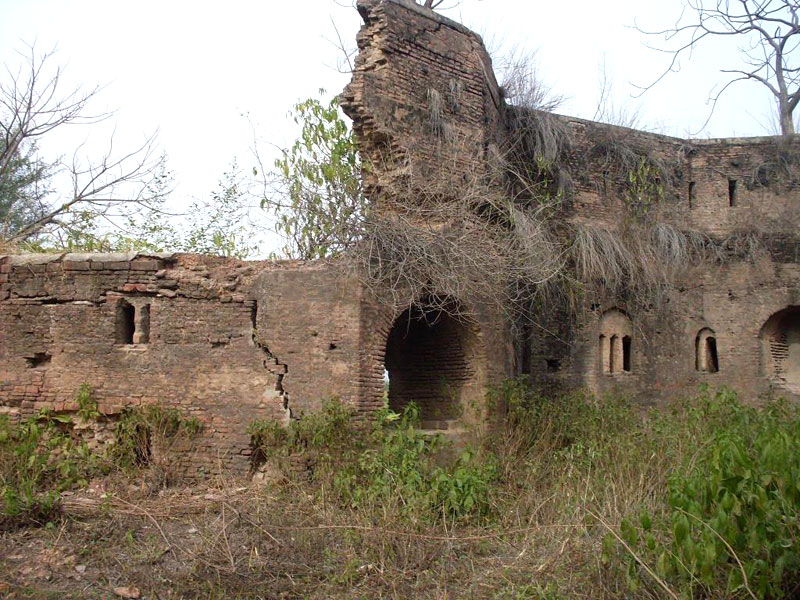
x: 242, y: 541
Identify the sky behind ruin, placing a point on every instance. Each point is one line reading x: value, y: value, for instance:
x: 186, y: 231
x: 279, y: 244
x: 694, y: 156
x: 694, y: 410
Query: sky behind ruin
x: 190, y: 70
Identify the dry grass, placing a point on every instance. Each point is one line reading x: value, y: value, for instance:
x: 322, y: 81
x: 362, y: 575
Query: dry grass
x: 558, y: 463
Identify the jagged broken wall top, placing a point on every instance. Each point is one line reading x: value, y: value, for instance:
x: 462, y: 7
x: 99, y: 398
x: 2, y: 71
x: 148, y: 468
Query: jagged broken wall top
x: 422, y: 81
x: 419, y: 79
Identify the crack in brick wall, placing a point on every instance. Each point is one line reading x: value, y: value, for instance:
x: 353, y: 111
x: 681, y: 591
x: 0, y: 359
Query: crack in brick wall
x: 273, y: 365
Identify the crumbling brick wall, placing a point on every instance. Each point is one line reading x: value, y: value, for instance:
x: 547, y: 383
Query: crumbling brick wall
x: 719, y: 188
x: 230, y: 342
x: 423, y: 95
x: 225, y: 341
x: 209, y: 349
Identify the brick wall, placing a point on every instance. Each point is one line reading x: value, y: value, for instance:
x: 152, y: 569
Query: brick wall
x: 406, y: 51
x: 423, y: 96
x: 230, y: 341
x: 226, y: 341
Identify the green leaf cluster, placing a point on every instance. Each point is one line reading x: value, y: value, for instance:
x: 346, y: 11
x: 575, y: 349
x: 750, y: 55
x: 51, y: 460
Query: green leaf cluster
x: 392, y: 463
x: 39, y: 459
x: 733, y: 515
x: 320, y: 199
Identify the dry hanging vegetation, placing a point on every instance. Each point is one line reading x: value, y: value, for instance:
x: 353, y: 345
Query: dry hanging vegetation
x: 490, y: 227
x: 450, y: 218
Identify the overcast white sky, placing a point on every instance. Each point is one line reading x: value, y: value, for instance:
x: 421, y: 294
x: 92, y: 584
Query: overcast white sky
x: 190, y: 69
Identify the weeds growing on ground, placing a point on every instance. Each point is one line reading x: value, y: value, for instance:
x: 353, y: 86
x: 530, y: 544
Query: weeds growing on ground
x: 44, y: 456
x: 558, y: 497
x: 392, y: 464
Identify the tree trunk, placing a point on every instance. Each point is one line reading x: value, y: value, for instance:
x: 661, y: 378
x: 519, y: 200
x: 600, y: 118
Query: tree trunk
x: 787, y: 123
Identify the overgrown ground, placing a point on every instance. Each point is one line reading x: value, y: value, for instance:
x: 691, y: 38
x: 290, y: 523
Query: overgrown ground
x: 570, y: 497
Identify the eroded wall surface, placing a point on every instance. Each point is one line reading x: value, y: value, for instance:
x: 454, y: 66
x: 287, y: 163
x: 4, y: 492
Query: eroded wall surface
x: 231, y: 342
x: 725, y: 189
x: 225, y: 341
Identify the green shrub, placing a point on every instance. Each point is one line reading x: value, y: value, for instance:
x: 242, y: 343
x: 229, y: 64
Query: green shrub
x: 391, y: 464
x: 87, y: 405
x: 733, y: 505
x: 38, y: 461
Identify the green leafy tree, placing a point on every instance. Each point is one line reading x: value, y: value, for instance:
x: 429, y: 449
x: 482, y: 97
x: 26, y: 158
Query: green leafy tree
x: 317, y: 195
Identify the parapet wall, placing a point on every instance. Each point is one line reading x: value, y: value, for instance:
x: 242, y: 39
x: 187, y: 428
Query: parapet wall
x: 717, y: 186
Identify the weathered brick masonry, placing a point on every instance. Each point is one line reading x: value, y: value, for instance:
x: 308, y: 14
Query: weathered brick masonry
x: 231, y: 341
x: 410, y: 57
x: 226, y: 341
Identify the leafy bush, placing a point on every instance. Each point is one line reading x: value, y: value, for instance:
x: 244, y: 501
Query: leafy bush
x: 391, y: 464
x: 38, y: 461
x: 733, y: 505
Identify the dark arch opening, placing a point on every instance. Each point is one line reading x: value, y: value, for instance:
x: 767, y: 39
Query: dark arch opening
x: 430, y: 360
x: 780, y: 344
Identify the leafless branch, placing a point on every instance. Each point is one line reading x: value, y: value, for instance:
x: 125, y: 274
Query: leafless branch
x: 769, y: 35
x: 33, y: 103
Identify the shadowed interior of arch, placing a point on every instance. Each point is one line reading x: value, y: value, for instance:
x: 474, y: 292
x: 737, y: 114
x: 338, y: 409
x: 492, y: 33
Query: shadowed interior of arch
x: 427, y: 362
x: 780, y: 339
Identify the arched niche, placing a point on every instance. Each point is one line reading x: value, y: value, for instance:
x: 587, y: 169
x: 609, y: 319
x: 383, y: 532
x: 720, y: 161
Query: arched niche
x: 706, y: 358
x: 780, y: 348
x: 615, y: 342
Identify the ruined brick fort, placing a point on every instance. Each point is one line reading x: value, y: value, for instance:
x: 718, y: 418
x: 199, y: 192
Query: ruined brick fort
x: 232, y: 341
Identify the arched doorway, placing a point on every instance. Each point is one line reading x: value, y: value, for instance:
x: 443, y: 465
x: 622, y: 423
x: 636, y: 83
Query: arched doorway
x: 780, y: 348
x: 433, y: 359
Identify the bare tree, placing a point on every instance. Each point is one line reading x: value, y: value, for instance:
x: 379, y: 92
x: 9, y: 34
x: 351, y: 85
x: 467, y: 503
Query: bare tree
x: 769, y: 32
x: 33, y: 103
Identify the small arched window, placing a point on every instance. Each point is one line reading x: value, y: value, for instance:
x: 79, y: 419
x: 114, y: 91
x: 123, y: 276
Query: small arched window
x: 706, y: 357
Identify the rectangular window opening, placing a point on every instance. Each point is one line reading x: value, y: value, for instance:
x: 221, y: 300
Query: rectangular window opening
x: 692, y: 193
x: 732, y: 192
x: 132, y: 323
x: 125, y: 322
x: 626, y: 353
